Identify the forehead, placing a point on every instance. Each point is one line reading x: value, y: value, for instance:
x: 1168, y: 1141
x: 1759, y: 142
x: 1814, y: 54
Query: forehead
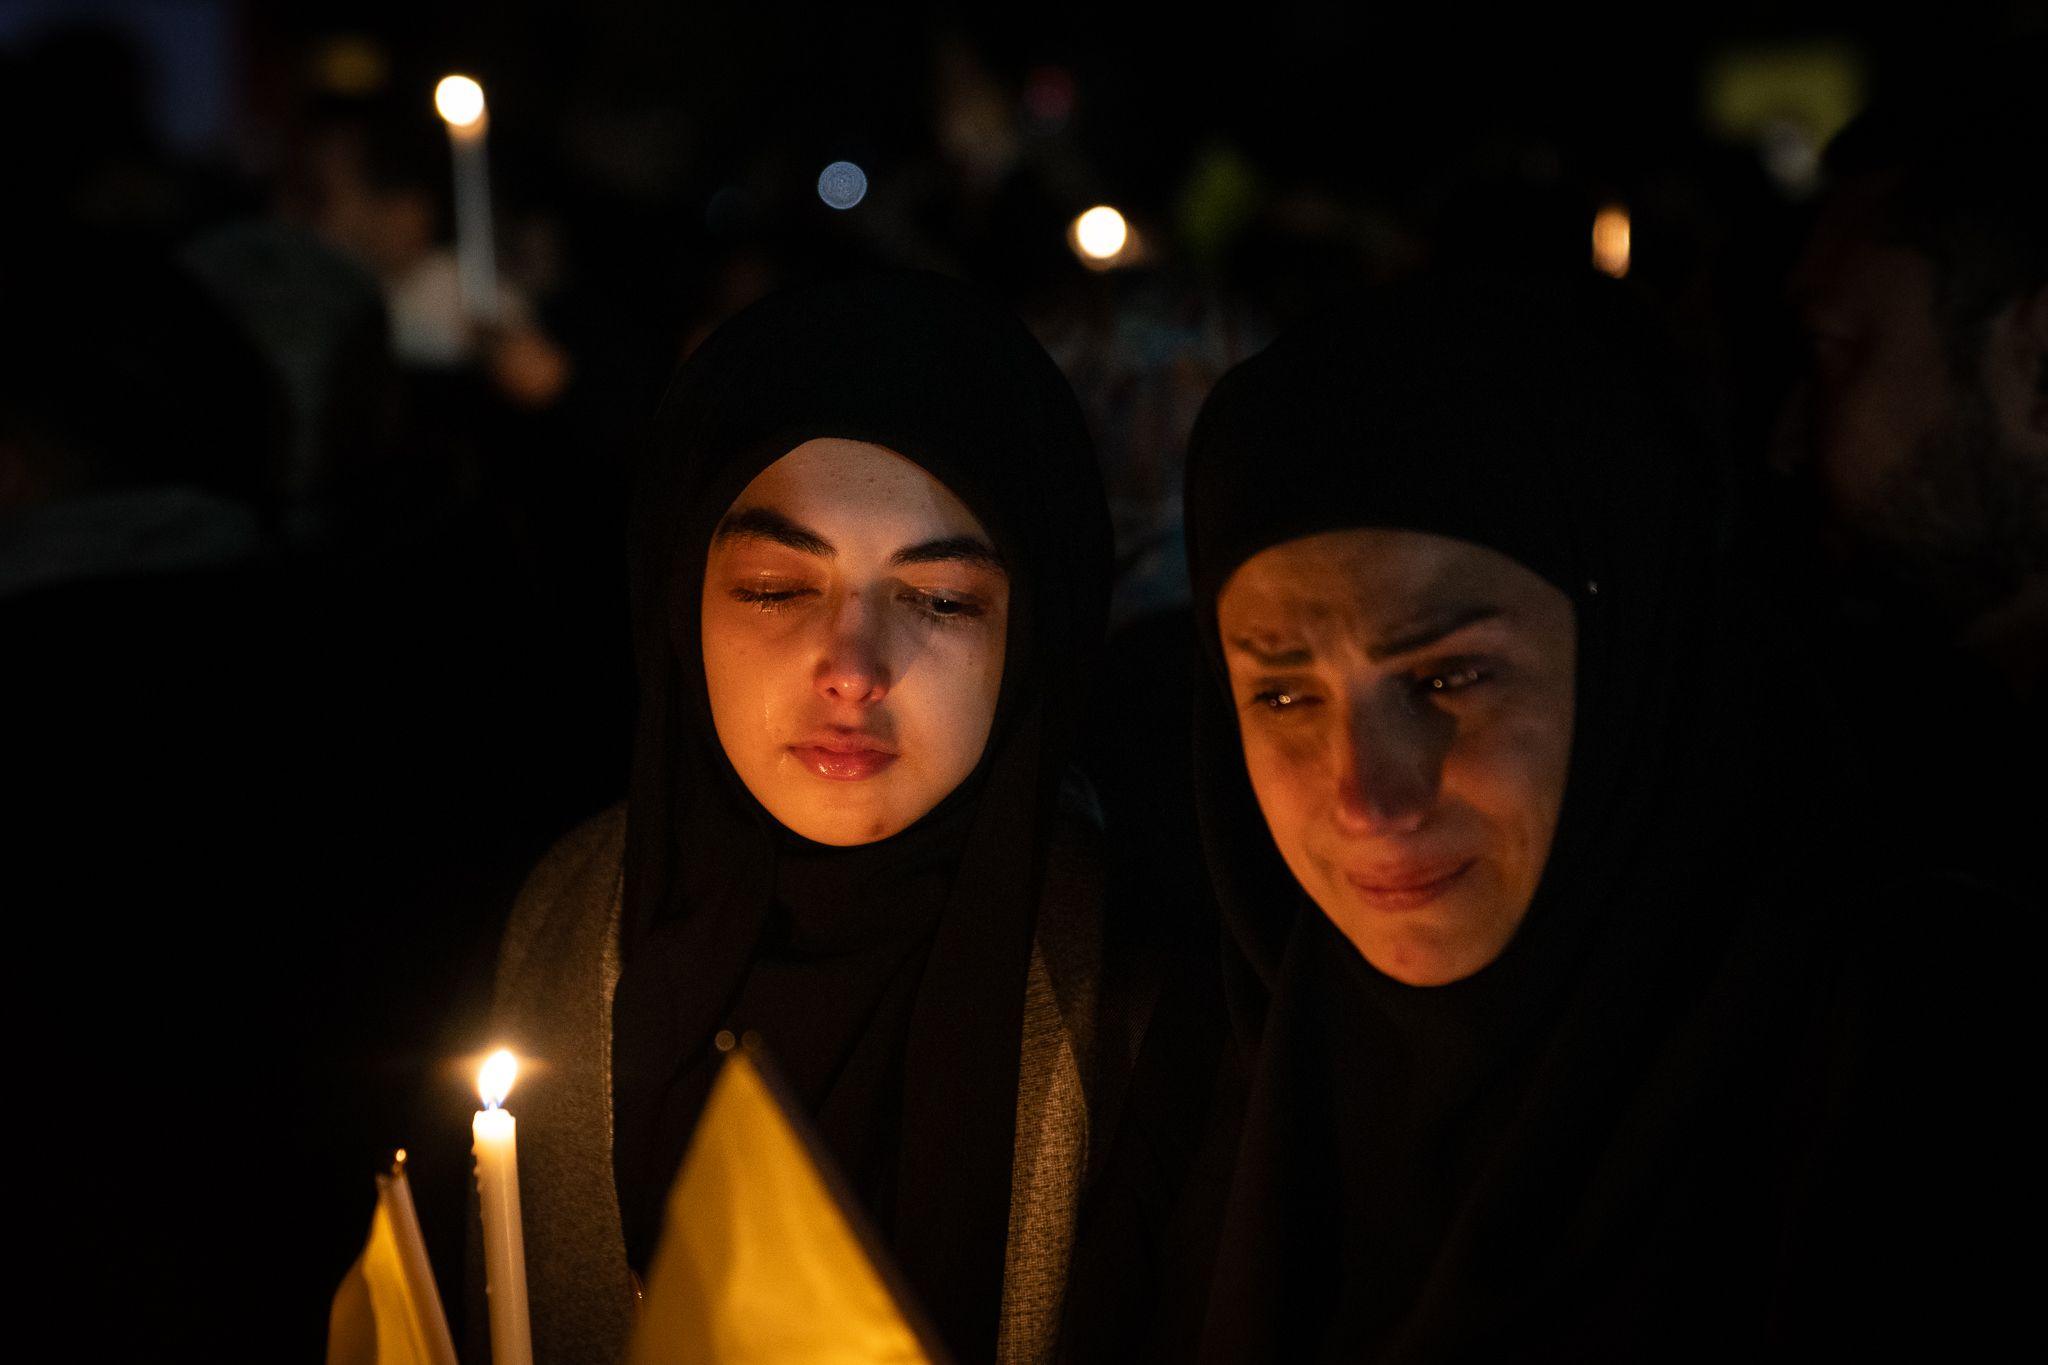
x: 1373, y: 577
x: 833, y: 485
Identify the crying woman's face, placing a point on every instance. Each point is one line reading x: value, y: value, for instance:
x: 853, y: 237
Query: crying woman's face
x: 1406, y: 702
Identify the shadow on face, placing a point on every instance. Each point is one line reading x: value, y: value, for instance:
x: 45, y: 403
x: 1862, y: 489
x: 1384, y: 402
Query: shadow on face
x: 854, y: 621
x: 1406, y: 705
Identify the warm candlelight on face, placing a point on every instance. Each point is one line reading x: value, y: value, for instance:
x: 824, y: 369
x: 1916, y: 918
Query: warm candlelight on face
x: 497, y: 1185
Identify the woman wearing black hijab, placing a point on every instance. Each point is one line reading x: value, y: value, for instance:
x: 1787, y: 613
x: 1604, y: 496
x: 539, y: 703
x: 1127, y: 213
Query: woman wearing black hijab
x: 1557, y: 1040
x: 819, y: 847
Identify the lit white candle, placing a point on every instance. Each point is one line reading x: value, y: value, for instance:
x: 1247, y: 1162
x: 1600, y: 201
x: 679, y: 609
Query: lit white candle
x: 460, y: 102
x: 497, y: 1187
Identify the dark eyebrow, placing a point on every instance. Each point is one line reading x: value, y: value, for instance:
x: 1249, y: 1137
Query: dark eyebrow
x: 1428, y: 632
x: 1419, y: 636
x: 759, y: 523
x: 972, y: 549
x: 1286, y: 658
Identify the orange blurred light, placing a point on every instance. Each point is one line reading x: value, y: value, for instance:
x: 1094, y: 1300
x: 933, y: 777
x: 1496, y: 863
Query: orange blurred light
x: 1610, y: 241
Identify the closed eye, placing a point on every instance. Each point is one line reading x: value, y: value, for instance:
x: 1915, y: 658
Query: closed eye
x: 943, y: 607
x: 771, y: 599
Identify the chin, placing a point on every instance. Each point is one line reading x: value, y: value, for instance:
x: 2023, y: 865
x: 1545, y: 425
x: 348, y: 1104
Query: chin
x: 1411, y: 966
x: 842, y: 828
x: 1419, y: 948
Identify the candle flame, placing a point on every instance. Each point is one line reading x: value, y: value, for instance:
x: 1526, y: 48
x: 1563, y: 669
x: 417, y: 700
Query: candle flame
x: 459, y: 100
x: 494, y: 1081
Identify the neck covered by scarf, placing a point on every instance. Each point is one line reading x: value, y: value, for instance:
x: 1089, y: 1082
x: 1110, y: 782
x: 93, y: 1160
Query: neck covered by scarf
x: 1495, y: 1165
x: 886, y: 979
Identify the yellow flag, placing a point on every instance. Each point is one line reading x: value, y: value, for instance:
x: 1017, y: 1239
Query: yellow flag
x: 757, y: 1260
x: 388, y: 1311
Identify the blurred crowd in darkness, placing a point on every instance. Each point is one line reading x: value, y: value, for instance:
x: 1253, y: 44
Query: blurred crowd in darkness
x: 313, y: 593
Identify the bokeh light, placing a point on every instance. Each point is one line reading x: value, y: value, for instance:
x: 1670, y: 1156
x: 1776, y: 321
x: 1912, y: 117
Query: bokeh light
x: 842, y: 184
x: 1611, y: 241
x: 1100, y: 234
x: 459, y: 100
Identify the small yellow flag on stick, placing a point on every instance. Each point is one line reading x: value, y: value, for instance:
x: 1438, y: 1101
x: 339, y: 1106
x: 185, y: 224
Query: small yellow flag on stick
x: 758, y: 1259
x: 387, y: 1311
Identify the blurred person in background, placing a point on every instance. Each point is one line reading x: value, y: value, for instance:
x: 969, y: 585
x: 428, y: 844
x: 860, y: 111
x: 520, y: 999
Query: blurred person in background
x: 158, y: 930
x: 1921, y: 435
x: 369, y: 182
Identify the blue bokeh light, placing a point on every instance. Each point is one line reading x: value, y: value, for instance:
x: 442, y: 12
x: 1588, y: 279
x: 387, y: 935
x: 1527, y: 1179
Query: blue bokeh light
x: 842, y: 184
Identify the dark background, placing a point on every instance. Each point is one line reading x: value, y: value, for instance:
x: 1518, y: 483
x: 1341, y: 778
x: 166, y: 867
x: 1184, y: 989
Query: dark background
x: 277, y: 784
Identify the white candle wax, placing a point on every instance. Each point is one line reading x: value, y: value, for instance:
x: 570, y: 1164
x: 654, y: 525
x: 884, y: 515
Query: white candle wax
x: 497, y: 1185
x: 461, y: 102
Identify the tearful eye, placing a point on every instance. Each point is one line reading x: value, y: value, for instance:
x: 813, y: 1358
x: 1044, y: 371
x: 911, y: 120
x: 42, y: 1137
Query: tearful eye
x: 1453, y: 679
x: 1281, y: 699
x: 943, y: 607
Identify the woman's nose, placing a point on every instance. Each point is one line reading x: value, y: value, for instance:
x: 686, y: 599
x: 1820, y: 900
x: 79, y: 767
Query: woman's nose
x: 1390, y: 763
x: 852, y: 667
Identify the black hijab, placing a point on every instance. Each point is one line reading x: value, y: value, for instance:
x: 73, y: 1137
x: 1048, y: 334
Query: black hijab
x: 890, y: 976
x: 1562, y: 1154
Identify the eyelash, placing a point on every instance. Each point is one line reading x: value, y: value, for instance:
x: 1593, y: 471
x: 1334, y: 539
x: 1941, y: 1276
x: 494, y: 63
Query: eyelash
x: 934, y: 607
x: 1278, y: 699
x: 962, y: 609
x: 1442, y: 682
x: 771, y: 599
x: 1454, y: 679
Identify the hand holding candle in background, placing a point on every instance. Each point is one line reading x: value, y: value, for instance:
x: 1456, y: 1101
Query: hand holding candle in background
x: 497, y: 1184
x: 527, y: 367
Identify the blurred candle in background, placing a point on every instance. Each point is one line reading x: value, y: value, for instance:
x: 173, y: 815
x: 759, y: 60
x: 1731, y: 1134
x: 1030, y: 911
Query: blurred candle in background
x: 497, y: 1187
x: 1101, y: 237
x: 460, y: 102
x: 1611, y: 241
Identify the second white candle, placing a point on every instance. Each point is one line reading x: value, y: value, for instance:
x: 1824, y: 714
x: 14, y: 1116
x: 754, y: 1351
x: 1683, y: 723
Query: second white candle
x: 496, y: 1145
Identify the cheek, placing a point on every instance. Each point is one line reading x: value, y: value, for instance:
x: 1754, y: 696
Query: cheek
x: 945, y: 704
x: 1291, y: 780
x: 752, y: 674
x: 1513, y: 773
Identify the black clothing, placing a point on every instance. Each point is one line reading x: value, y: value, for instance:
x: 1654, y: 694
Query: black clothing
x: 888, y: 979
x: 1667, y: 1119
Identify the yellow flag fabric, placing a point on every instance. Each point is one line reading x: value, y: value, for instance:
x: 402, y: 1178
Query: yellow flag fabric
x: 388, y: 1310
x: 757, y: 1262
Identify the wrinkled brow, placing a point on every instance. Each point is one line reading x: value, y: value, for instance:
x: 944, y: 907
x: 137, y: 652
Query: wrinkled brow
x: 1423, y: 634
x: 1405, y: 639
